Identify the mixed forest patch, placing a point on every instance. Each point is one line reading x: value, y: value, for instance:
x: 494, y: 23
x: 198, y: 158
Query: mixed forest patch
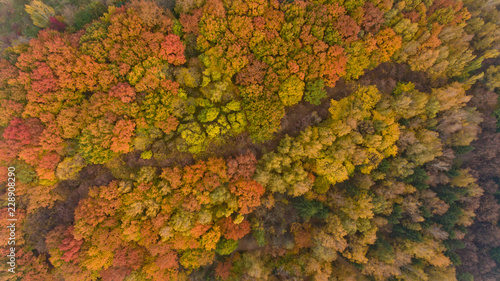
x: 251, y: 140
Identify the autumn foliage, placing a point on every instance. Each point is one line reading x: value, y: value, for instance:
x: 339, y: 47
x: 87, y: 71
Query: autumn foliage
x: 211, y: 141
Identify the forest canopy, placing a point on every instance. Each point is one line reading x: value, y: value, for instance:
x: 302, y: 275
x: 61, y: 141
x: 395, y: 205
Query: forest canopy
x: 250, y: 140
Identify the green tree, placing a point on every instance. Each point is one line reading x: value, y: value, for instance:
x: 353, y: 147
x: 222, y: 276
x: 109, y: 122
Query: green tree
x: 309, y: 209
x: 315, y: 92
x: 226, y: 246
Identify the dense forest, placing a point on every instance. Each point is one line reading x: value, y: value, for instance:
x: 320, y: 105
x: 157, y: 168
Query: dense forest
x: 250, y: 140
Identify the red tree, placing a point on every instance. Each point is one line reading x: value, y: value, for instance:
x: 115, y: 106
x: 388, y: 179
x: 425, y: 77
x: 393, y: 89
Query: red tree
x: 172, y: 50
x: 230, y: 230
